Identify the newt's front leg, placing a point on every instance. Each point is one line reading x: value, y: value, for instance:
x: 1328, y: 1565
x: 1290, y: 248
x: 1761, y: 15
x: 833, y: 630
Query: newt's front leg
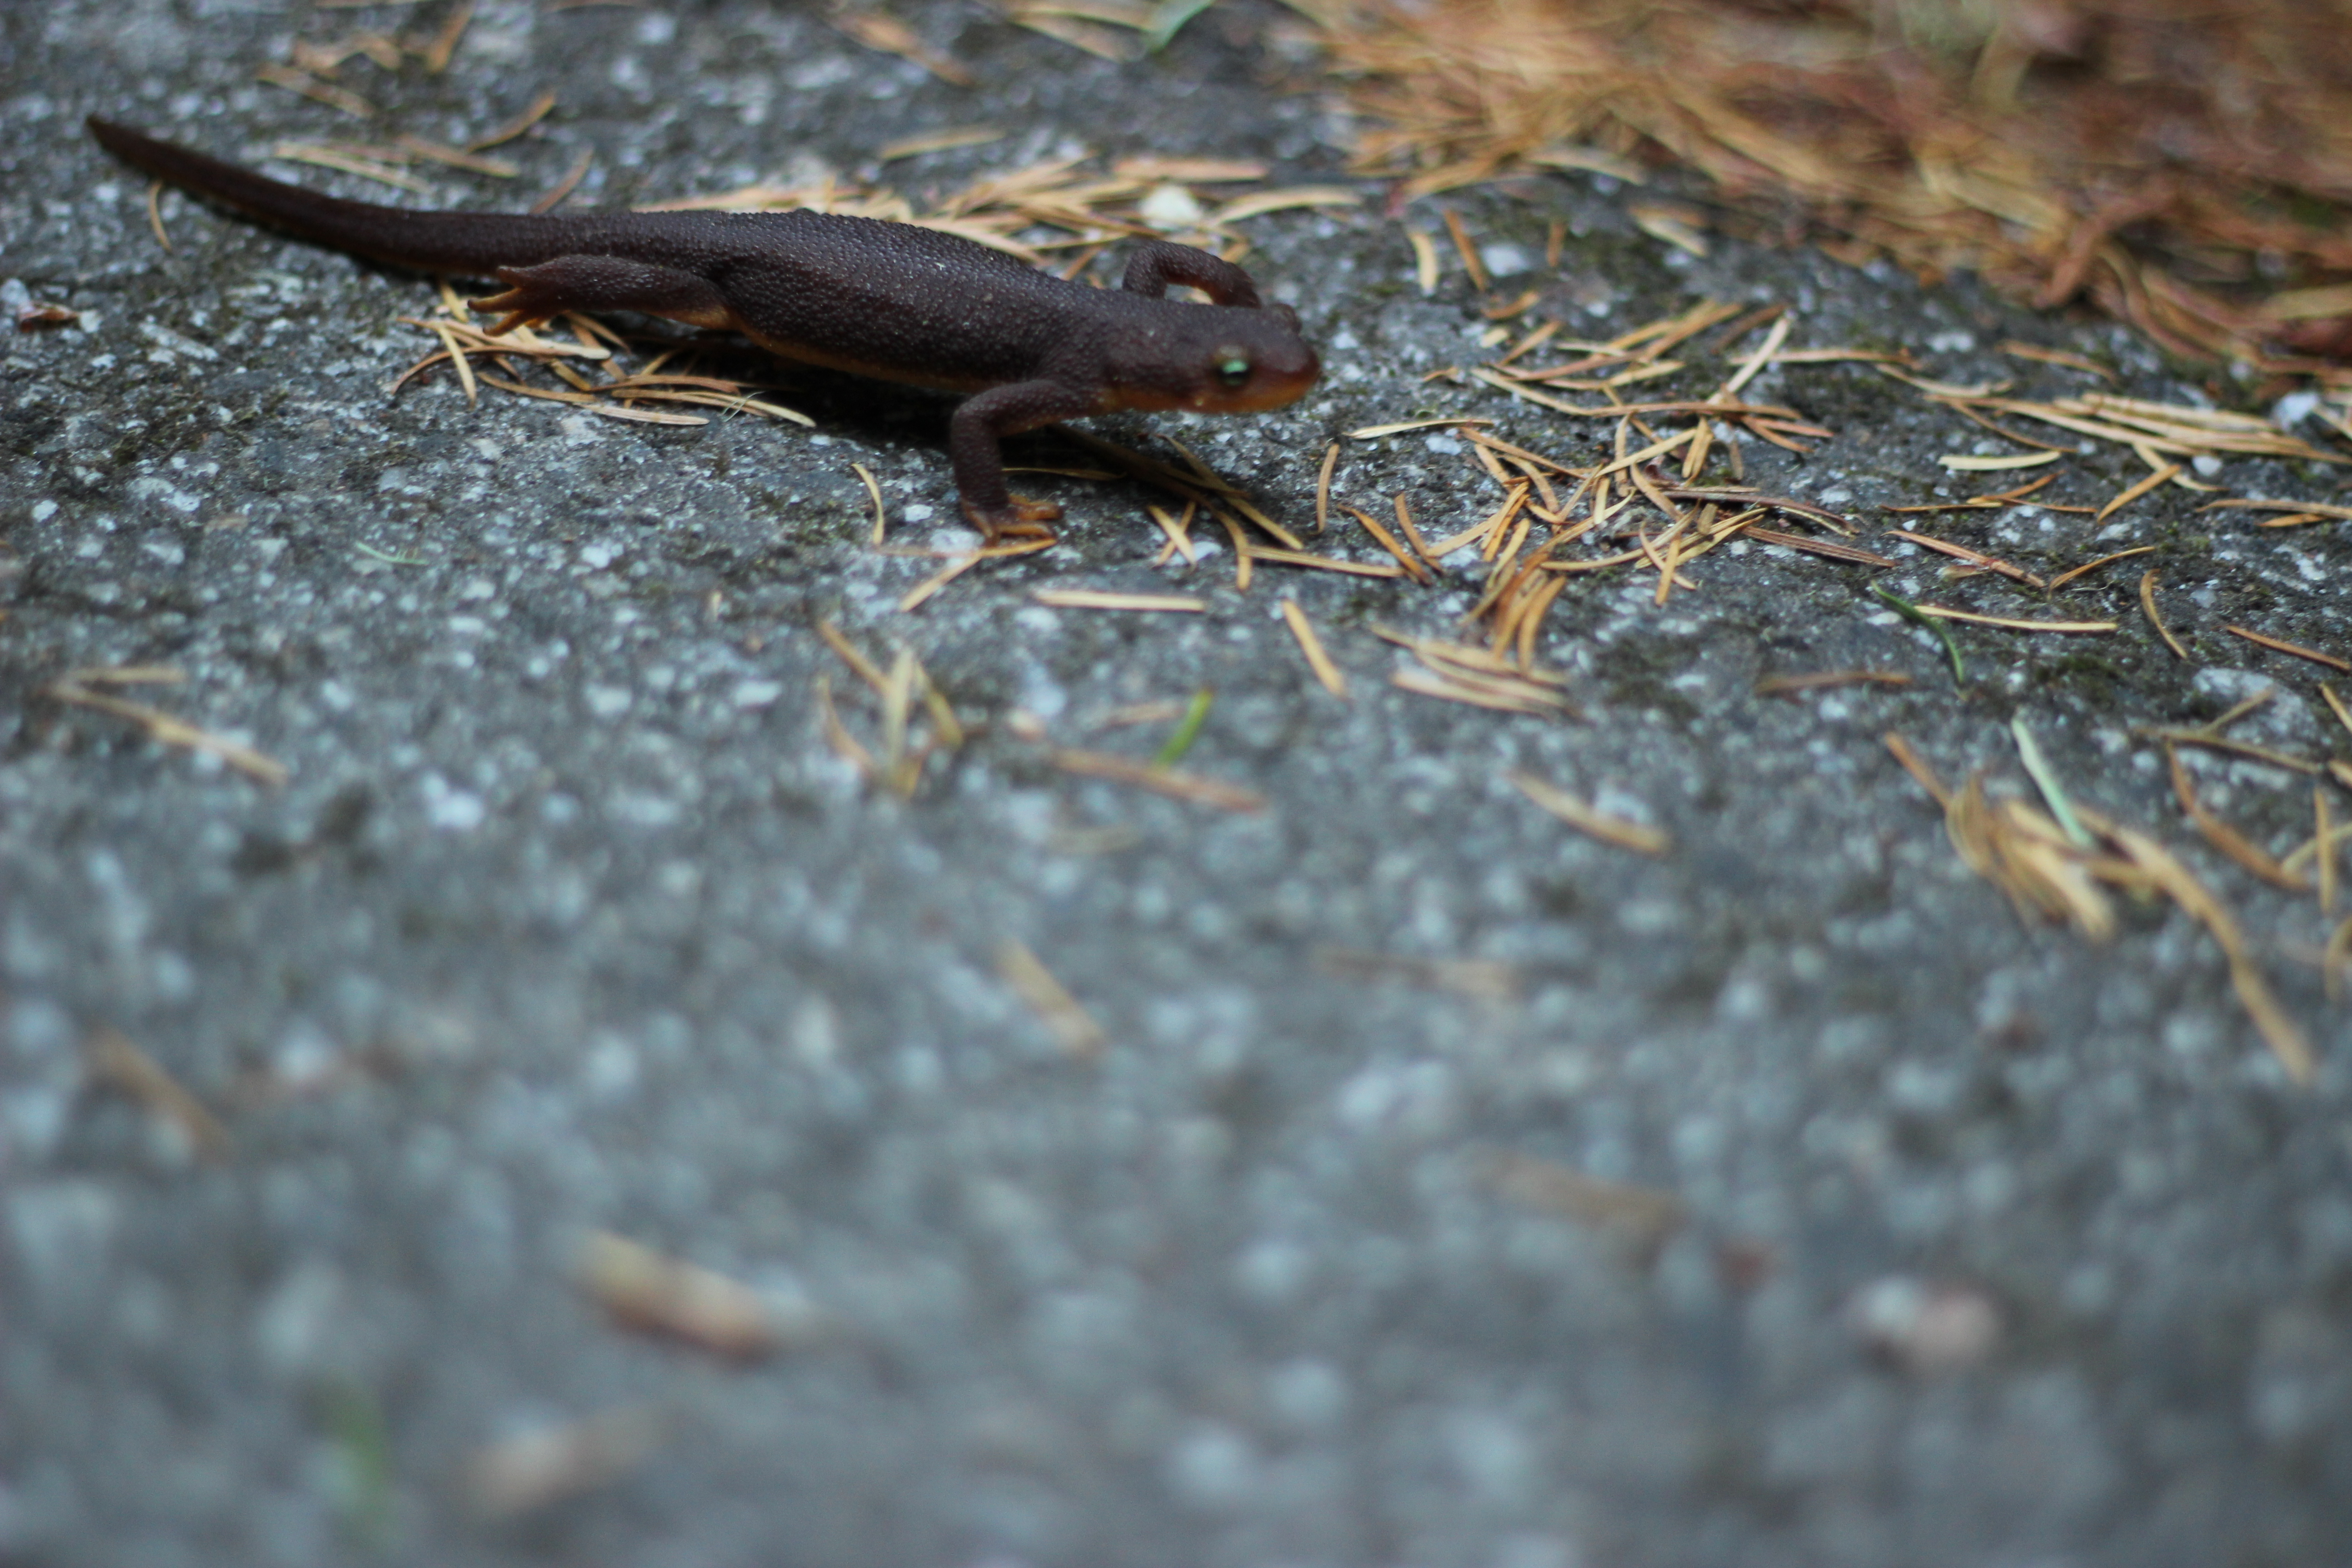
x: 974, y: 434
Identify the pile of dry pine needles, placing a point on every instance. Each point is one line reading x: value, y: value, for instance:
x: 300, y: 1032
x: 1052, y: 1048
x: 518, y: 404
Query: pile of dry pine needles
x: 2185, y: 164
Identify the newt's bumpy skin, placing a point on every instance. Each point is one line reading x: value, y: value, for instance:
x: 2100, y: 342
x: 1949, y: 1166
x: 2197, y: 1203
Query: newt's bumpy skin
x: 887, y: 299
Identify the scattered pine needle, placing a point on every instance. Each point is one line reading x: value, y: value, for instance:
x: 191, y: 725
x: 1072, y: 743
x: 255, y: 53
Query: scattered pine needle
x: 569, y: 183
x: 349, y: 162
x: 906, y: 695
x: 1482, y: 979
x: 836, y: 734
x: 2284, y: 1036
x: 1259, y: 202
x: 1243, y: 555
x: 1916, y: 767
x: 2323, y: 841
x: 2238, y: 711
x: 1102, y: 599
x: 873, y: 492
x: 607, y: 411
x: 939, y: 141
x: 2045, y: 779
x: 2123, y: 498
x: 1644, y: 1215
x: 1468, y: 251
x: 2060, y: 357
x: 2206, y: 740
x: 1977, y: 465
x: 1072, y: 1026
x: 1169, y: 781
x: 1983, y: 503
x: 1932, y: 624
x: 1424, y: 260
x: 520, y: 123
x: 2029, y: 857
x: 922, y: 593
x: 1325, y: 563
x: 458, y: 359
x: 1500, y: 693
x: 2224, y: 838
x: 1179, y: 531
x: 2335, y: 705
x: 1672, y: 224
x: 2319, y: 847
x: 1388, y: 542
x: 2148, y: 607
x: 1827, y: 549
x: 1188, y: 728
x: 2009, y: 623
x: 1311, y: 646
x: 295, y: 79
x: 1625, y: 834
x: 1374, y: 432
x: 2068, y: 575
x: 2337, y: 959
x: 388, y: 557
x: 115, y: 1062
x: 155, y: 217
x: 651, y: 1293
x: 2311, y: 507
x: 437, y: 54
x: 2279, y: 645
x: 1167, y: 711
x: 1974, y: 557
x: 127, y: 675
x: 1412, y: 532
x: 523, y: 1474
x: 167, y: 730
x: 890, y: 35
x: 1792, y: 685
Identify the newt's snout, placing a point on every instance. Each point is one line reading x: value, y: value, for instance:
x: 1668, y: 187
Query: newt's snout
x: 1276, y: 385
x: 1272, y: 367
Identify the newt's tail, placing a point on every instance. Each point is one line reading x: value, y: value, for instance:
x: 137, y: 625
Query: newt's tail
x: 472, y: 244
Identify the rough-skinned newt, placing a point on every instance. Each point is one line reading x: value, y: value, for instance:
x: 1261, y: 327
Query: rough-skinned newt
x: 889, y: 300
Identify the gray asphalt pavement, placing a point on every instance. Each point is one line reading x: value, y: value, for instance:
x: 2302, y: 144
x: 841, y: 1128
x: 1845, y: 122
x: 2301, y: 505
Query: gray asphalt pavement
x: 1448, y: 1189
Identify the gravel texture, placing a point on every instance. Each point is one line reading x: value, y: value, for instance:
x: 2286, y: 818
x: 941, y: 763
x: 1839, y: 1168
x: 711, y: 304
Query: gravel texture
x: 1996, y: 1247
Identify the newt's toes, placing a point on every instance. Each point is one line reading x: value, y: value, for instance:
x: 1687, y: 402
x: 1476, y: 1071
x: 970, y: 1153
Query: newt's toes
x: 1022, y: 518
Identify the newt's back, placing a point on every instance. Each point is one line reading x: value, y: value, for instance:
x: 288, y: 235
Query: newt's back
x: 887, y: 298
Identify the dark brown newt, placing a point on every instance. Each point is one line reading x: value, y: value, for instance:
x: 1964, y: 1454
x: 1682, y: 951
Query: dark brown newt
x: 888, y: 300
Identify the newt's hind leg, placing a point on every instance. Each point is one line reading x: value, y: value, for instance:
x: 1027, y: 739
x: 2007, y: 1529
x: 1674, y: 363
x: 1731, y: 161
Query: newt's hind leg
x: 606, y: 283
x: 1160, y: 262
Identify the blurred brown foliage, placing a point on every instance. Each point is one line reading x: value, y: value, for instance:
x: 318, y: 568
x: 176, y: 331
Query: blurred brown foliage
x: 2185, y: 164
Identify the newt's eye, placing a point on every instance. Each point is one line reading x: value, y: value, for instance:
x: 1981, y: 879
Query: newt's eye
x: 1234, y: 370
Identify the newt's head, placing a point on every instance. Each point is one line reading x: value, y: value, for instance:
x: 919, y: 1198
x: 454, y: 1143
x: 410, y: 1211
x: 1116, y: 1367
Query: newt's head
x: 1259, y: 361
x: 1216, y: 359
